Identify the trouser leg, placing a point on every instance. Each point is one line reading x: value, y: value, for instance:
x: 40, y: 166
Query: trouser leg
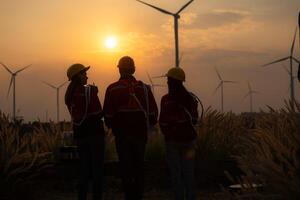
x: 188, y: 172
x: 138, y: 173
x: 84, y: 173
x: 97, y: 160
x: 174, y: 164
x: 126, y: 167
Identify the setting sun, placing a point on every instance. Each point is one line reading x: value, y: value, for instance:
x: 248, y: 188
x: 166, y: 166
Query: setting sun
x: 111, y: 42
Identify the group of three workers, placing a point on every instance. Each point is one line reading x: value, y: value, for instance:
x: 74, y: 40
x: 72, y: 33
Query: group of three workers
x: 129, y: 110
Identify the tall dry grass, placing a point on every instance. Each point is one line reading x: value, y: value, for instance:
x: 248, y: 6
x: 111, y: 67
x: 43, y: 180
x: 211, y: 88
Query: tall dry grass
x: 20, y: 160
x: 219, y: 135
x: 272, y: 153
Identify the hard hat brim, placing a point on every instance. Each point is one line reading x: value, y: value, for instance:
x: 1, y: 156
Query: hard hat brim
x: 83, y: 70
x: 86, y: 68
x: 168, y: 76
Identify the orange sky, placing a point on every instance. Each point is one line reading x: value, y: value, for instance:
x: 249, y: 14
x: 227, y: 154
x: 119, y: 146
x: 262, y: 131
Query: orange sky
x: 233, y: 35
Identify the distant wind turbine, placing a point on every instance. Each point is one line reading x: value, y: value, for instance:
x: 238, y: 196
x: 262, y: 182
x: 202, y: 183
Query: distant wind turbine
x: 299, y: 45
x: 153, y: 85
x: 291, y: 76
x: 57, y: 96
x: 176, y: 17
x: 222, y: 89
x: 250, y: 93
x: 290, y: 58
x: 13, y: 83
x: 299, y: 27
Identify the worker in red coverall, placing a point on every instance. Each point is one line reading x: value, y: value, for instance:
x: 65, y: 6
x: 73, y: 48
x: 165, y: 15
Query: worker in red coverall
x: 130, y: 109
x: 86, y: 113
x: 178, y: 114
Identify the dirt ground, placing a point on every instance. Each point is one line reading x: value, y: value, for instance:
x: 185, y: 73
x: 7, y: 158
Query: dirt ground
x: 150, y: 195
x: 66, y: 190
x: 60, y: 184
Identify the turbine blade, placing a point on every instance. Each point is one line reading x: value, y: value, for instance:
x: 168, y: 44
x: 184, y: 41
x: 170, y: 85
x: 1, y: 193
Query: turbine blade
x: 276, y: 61
x: 218, y: 87
x: 157, y: 8
x: 62, y: 84
x: 218, y: 74
x: 149, y: 78
x: 249, y: 87
x: 180, y: 58
x: 10, y: 84
x: 230, y: 81
x: 286, y: 69
x: 183, y: 7
x: 49, y: 84
x: 22, y: 69
x: 162, y: 76
x: 296, y: 60
x: 6, y: 68
x: 246, y: 95
x: 293, y: 44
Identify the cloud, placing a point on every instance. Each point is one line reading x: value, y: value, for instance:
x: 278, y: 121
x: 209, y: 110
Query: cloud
x: 216, y: 18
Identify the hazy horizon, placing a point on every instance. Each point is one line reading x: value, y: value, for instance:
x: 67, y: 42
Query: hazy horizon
x: 234, y: 36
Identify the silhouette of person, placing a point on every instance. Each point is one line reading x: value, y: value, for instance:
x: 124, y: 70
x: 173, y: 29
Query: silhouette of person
x: 129, y: 109
x: 86, y: 113
x: 178, y: 114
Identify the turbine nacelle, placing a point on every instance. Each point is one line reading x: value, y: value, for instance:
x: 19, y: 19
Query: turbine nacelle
x: 176, y: 17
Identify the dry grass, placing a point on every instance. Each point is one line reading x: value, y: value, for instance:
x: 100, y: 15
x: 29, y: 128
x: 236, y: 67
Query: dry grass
x: 268, y: 154
x: 219, y: 135
x: 18, y: 157
x: 272, y: 154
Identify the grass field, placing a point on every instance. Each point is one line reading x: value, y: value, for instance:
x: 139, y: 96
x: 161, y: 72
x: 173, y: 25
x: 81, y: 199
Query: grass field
x: 261, y: 148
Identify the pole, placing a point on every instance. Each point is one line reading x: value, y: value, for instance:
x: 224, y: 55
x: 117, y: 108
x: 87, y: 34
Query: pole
x: 57, y: 104
x: 299, y: 27
x: 292, y: 83
x: 176, y: 17
x: 251, y: 102
x: 222, y: 99
x: 14, y: 98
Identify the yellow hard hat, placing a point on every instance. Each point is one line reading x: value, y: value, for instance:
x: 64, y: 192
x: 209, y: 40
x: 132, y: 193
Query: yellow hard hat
x: 75, y: 69
x: 176, y: 73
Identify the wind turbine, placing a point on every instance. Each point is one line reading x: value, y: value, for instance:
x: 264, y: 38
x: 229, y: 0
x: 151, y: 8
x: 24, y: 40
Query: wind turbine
x: 222, y: 89
x: 290, y: 58
x: 57, y: 96
x: 291, y: 76
x: 13, y: 82
x: 153, y: 85
x: 176, y: 17
x: 299, y: 45
x: 250, y: 93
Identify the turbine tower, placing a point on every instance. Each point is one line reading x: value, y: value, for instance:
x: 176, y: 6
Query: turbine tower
x: 222, y: 89
x: 299, y: 45
x: 291, y: 58
x: 153, y: 85
x: 57, y: 96
x: 250, y: 94
x: 13, y: 83
x: 176, y: 17
x: 291, y: 76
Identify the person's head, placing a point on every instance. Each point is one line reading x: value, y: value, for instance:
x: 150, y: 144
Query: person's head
x: 77, y: 73
x: 126, y: 66
x: 175, y: 76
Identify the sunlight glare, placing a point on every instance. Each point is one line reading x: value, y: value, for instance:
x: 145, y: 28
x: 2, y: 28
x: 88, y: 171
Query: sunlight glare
x: 111, y: 42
